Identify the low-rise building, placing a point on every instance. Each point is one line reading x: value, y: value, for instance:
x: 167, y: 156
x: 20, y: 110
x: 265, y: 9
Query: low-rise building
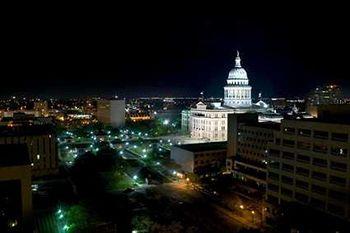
x: 200, y: 158
x: 15, y: 189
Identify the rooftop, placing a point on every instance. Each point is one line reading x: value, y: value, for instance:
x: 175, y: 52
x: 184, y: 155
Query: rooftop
x: 197, y: 147
x: 14, y: 155
x: 25, y: 130
x: 266, y: 125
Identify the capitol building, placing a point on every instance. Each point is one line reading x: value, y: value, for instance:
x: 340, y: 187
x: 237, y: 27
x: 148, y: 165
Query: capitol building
x: 208, y: 121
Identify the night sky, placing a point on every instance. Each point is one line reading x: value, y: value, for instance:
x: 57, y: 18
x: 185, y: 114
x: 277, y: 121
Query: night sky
x: 146, y: 54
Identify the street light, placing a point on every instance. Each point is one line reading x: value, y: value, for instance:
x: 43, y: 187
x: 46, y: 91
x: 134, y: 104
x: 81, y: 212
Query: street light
x: 241, y: 206
x: 134, y: 177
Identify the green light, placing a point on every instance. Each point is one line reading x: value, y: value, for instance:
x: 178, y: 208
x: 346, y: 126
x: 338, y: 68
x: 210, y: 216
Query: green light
x: 61, y: 216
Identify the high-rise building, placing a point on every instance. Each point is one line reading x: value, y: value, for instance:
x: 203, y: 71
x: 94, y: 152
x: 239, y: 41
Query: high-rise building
x: 41, y: 108
x: 41, y: 143
x: 251, y: 158
x: 237, y: 92
x: 15, y: 189
x: 328, y: 94
x: 111, y: 112
x: 309, y: 163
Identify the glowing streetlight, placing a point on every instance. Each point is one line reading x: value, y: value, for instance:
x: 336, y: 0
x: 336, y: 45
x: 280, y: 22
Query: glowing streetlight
x: 253, y: 212
x: 241, y: 206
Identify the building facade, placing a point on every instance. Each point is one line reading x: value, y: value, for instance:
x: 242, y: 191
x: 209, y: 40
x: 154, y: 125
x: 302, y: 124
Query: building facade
x: 250, y: 162
x: 309, y: 163
x: 237, y: 92
x: 209, y: 124
x: 42, y: 147
x: 111, y: 112
x: 15, y: 186
x: 185, y: 121
x: 202, y: 158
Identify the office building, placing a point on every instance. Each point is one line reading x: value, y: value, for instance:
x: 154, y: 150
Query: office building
x: 15, y: 189
x: 250, y: 162
x: 201, y: 158
x: 309, y: 163
x: 328, y: 94
x: 111, y: 112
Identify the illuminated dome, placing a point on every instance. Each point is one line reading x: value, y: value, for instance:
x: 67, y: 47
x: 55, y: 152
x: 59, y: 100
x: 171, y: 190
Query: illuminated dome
x: 238, y: 72
x: 237, y: 92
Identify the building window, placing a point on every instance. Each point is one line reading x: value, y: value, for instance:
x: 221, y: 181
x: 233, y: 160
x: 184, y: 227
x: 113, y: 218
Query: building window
x: 287, y: 168
x: 289, y: 130
x: 274, y: 153
x: 321, y: 134
x: 339, y: 166
x: 288, y: 143
x: 274, y: 176
x: 287, y: 180
x: 302, y: 171
x: 318, y: 189
x: 339, y: 151
x: 287, y: 192
x: 304, y: 132
x: 340, y: 137
x: 273, y: 188
x: 319, y: 162
x: 301, y: 197
x: 304, y: 145
x: 301, y: 184
x: 337, y: 195
x: 287, y: 155
x: 337, y: 181
x: 320, y: 148
x: 319, y: 176
x: 274, y: 164
x: 303, y: 158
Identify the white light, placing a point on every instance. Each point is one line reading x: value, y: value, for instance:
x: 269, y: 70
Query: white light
x: 168, y: 140
x: 127, y: 143
x: 38, y: 156
x: 144, y: 150
x: 121, y: 152
x: 157, y: 163
x: 135, y: 177
x: 166, y: 122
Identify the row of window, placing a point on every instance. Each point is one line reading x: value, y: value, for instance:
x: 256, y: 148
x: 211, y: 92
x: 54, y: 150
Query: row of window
x: 338, y: 166
x: 320, y: 176
x: 334, y: 151
x: 340, y: 137
x: 320, y: 204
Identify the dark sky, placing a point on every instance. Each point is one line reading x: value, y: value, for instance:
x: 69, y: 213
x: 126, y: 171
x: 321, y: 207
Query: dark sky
x: 150, y: 54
